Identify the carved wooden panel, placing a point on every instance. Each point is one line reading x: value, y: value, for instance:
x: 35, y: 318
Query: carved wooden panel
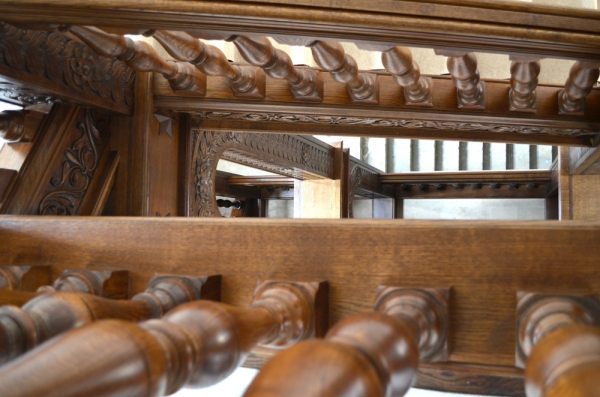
x: 38, y: 66
x: 62, y: 165
x: 294, y: 156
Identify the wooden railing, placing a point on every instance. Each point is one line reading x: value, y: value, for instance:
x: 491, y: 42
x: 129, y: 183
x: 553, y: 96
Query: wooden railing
x: 195, y: 345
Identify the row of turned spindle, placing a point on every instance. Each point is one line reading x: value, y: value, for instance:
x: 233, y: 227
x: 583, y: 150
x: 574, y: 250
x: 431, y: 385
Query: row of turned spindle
x: 198, y: 343
x: 305, y: 84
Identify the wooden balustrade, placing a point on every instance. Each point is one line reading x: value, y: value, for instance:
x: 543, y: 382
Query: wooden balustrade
x: 523, y: 82
x: 582, y: 77
x: 195, y: 345
x: 330, y: 55
x: 51, y: 314
x: 463, y: 69
x: 12, y: 125
x: 417, y: 89
x: 559, y: 341
x: 369, y: 354
x: 245, y: 81
x: 305, y: 84
x: 142, y: 57
x: 24, y: 278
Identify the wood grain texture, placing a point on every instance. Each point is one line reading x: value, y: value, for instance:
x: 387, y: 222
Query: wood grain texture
x: 6, y: 177
x: 24, y: 278
x: 585, y: 190
x: 470, y: 26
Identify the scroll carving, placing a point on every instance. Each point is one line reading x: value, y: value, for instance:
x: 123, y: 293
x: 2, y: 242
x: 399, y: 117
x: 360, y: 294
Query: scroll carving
x: 283, y: 154
x: 412, y: 123
x: 61, y: 60
x: 70, y: 183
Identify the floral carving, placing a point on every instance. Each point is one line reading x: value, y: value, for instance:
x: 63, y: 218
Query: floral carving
x: 380, y: 122
x: 59, y: 59
x: 70, y: 183
x: 287, y: 155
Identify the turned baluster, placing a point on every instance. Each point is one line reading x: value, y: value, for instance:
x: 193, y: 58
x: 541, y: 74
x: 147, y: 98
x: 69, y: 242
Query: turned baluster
x: 48, y: 315
x: 558, y: 342
x: 331, y: 56
x: 463, y: 69
x: 195, y: 345
x: 399, y: 62
x: 24, y: 278
x: 12, y: 125
x: 141, y: 57
x: 582, y: 77
x: 245, y: 81
x: 370, y: 354
x: 305, y: 84
x: 523, y: 82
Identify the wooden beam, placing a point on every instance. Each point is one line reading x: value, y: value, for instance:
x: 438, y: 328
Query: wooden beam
x: 478, y: 259
x: 472, y: 25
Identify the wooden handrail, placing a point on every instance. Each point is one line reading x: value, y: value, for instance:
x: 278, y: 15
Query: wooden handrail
x: 141, y: 57
x: 51, y: 314
x: 509, y: 176
x: 245, y: 81
x: 195, y: 345
x: 369, y: 354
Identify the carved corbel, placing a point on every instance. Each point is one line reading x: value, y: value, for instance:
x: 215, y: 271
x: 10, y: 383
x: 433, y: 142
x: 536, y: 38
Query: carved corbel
x: 142, y: 57
x: 462, y: 66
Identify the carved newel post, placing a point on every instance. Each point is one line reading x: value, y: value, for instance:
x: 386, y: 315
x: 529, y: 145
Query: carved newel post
x: 194, y: 345
x: 48, y: 315
x: 370, y: 354
x: 558, y: 342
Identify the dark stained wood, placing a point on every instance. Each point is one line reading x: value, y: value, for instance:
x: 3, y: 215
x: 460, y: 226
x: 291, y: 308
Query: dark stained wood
x: 245, y: 81
x: 101, y: 186
x: 565, y: 363
x: 143, y: 127
x: 474, y: 191
x: 6, y: 177
x: 142, y: 57
x: 40, y: 70
x: 12, y: 125
x: 417, y: 89
x: 459, y: 25
x: 523, y: 81
x: 582, y: 77
x: 110, y: 284
x: 467, y: 177
x: 370, y: 354
x: 24, y: 278
x: 159, y: 357
x: 305, y: 84
x: 51, y: 314
x: 470, y: 91
x: 565, y: 204
x: 585, y: 161
x: 263, y: 180
x: 16, y: 298
x: 339, y: 115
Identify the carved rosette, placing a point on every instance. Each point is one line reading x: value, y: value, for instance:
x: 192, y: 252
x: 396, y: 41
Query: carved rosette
x: 61, y: 60
x: 70, y: 183
x: 290, y: 156
x: 389, y: 122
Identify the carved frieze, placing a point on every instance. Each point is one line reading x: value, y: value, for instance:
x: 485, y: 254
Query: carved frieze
x: 71, y: 180
x: 293, y: 156
x: 59, y: 60
x: 402, y: 123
